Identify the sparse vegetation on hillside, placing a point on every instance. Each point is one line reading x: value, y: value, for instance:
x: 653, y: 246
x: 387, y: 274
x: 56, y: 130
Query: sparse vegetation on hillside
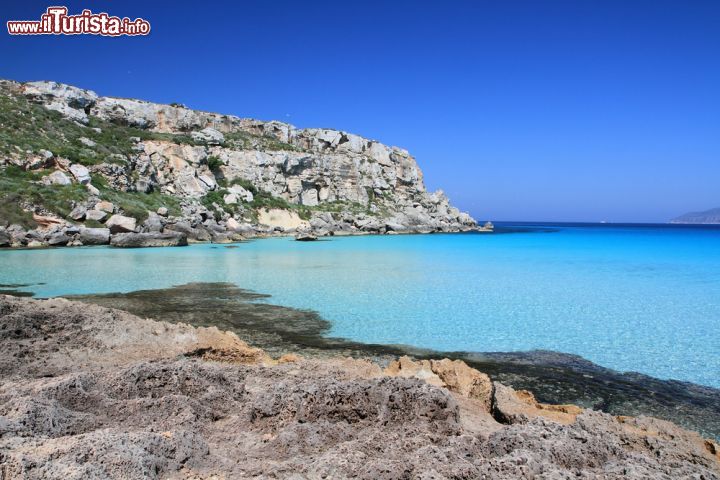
x: 28, y: 127
x: 136, y: 204
x: 247, y: 141
x: 19, y: 188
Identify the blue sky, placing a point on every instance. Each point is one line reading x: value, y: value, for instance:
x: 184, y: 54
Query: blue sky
x: 537, y: 110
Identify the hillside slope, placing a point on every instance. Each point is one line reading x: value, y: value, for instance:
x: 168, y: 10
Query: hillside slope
x: 73, y: 159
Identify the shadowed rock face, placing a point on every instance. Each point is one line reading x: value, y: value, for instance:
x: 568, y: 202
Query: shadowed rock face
x: 552, y: 377
x: 88, y: 392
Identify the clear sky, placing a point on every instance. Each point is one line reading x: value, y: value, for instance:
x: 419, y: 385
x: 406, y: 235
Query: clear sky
x: 520, y: 110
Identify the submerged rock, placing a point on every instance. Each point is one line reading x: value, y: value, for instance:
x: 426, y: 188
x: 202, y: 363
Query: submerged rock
x: 306, y: 237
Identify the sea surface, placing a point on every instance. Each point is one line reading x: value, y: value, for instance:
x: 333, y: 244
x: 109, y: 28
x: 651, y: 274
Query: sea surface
x: 643, y: 298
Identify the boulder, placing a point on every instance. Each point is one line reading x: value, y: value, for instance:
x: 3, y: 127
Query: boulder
x: 120, y: 223
x: 162, y: 211
x: 105, y: 206
x: 36, y: 244
x: 230, y: 199
x: 87, y: 142
x: 56, y: 178
x: 81, y: 173
x: 150, y: 239
x: 96, y: 215
x: 94, y: 236
x: 305, y: 237
x: 58, y: 239
x: 154, y: 223
x: 92, y: 190
x: 192, y: 233
x: 5, y: 239
x: 78, y: 213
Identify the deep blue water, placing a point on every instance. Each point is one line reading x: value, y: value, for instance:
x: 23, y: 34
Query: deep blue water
x: 639, y: 298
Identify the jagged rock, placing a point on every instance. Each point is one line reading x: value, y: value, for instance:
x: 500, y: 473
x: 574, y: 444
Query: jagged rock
x: 94, y: 236
x: 162, y: 211
x: 209, y: 136
x: 58, y: 239
x: 120, y: 224
x: 78, y: 213
x: 69, y: 101
x: 511, y: 406
x: 154, y: 223
x: 306, y: 237
x: 56, y: 178
x: 197, y: 234
x: 97, y: 215
x: 455, y: 375
x: 152, y: 239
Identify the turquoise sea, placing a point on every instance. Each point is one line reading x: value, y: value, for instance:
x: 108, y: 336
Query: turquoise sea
x: 628, y: 297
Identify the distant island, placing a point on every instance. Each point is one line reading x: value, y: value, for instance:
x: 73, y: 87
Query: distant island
x: 708, y: 216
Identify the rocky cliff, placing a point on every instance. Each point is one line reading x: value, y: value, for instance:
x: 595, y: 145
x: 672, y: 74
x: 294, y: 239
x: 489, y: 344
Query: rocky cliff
x: 204, y: 175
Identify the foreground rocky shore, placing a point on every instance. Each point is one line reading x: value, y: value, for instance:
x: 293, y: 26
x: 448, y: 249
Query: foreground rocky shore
x: 92, y: 392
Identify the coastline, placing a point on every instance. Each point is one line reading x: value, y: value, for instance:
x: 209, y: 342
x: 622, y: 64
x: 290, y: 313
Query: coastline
x: 91, y: 391
x: 554, y: 377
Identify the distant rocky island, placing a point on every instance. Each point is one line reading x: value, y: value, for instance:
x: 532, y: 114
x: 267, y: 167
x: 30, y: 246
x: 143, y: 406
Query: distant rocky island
x: 81, y: 169
x: 707, y: 217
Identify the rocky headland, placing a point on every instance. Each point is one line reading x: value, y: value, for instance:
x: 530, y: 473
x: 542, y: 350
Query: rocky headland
x: 92, y: 392
x: 78, y: 169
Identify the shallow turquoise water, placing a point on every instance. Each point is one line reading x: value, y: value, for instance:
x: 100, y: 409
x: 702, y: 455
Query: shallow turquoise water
x: 630, y: 298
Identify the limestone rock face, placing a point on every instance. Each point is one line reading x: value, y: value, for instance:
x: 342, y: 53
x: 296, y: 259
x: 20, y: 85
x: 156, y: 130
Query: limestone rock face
x: 322, y: 169
x: 455, y: 375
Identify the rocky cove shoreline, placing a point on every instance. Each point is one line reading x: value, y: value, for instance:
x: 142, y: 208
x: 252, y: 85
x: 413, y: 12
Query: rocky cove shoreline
x: 92, y: 392
x: 79, y: 169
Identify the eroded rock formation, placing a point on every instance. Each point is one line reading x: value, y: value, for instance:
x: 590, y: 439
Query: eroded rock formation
x: 222, y: 170
x: 90, y: 392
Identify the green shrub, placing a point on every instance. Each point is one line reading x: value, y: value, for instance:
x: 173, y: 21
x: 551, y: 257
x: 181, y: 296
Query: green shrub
x: 18, y: 187
x: 214, y: 163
